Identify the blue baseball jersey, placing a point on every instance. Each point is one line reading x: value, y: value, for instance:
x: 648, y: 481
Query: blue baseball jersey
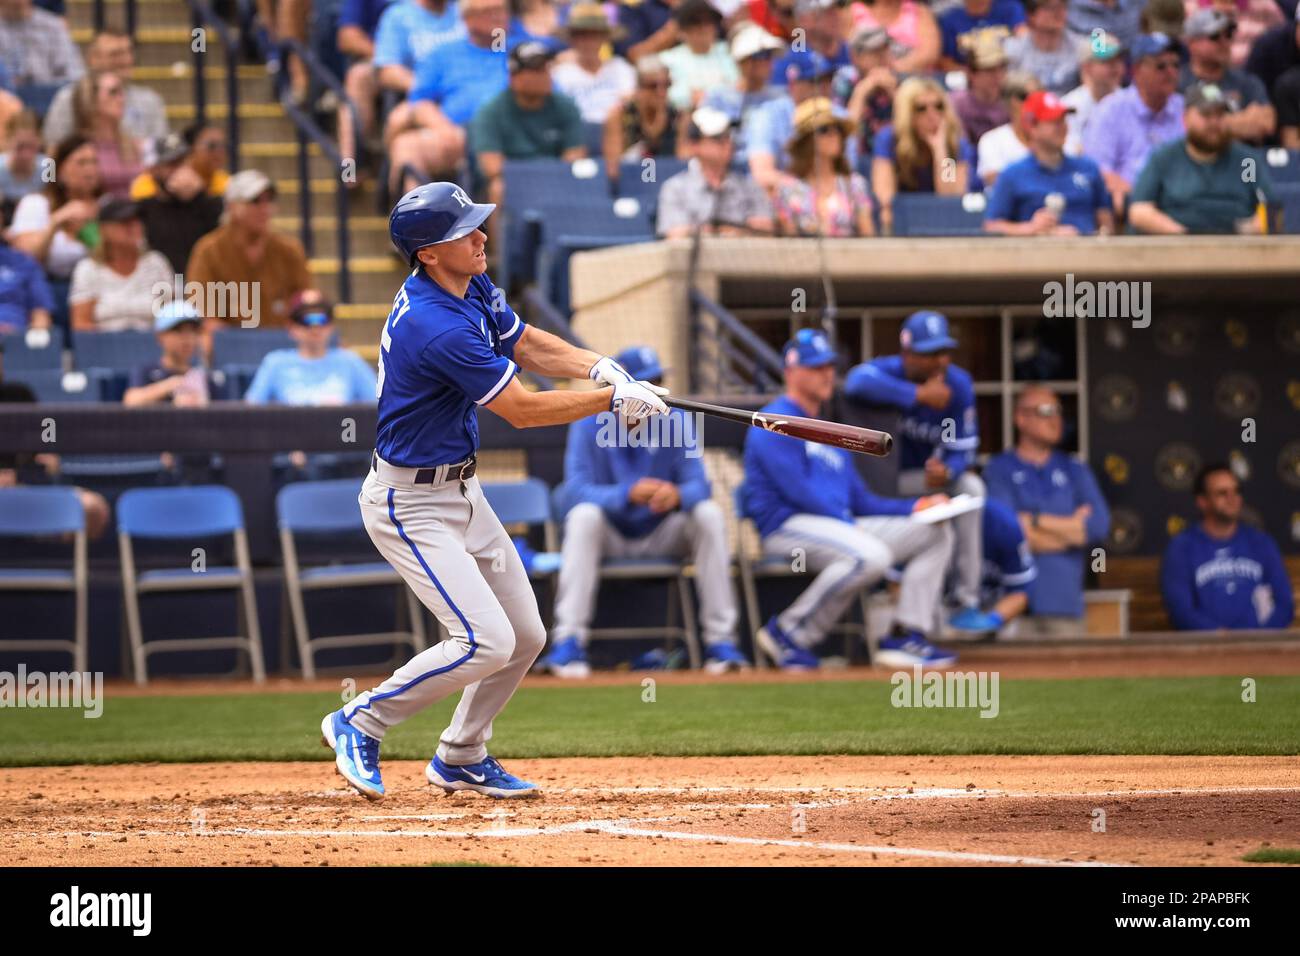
x: 922, y: 429
x: 1009, y: 565
x: 786, y: 476
x: 603, y: 476
x: 1236, y: 582
x: 1060, y: 487
x: 440, y: 358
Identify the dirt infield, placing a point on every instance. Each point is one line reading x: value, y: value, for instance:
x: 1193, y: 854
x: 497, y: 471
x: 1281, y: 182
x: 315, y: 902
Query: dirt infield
x: 874, y: 811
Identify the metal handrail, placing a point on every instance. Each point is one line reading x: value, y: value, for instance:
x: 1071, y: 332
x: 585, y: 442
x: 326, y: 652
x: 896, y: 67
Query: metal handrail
x: 309, y: 130
x: 201, y: 16
x: 99, y: 17
x: 753, y: 353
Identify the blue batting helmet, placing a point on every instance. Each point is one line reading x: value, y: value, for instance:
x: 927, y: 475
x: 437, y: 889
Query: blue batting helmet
x: 433, y: 213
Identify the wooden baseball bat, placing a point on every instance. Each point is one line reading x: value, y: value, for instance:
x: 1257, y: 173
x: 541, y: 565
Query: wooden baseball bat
x: 866, y: 441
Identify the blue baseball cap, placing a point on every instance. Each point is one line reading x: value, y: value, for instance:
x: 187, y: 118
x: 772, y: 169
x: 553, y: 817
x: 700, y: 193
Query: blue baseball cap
x: 641, y: 361
x: 807, y: 65
x: 173, y: 314
x: 809, y: 349
x: 926, y: 332
x: 1152, y: 44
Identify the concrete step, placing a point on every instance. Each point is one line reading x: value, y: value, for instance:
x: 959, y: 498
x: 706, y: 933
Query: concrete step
x: 367, y: 235
x: 148, y: 13
x: 259, y: 122
x: 374, y: 279
x: 174, y: 82
x: 280, y: 160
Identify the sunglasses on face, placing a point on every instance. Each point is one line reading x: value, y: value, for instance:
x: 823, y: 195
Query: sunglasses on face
x: 1222, y: 35
x: 827, y: 130
x: 655, y: 85
x: 927, y: 107
x: 1044, y: 410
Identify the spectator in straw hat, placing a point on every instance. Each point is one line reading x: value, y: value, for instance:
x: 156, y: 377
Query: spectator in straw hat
x: 821, y: 195
x: 598, y: 85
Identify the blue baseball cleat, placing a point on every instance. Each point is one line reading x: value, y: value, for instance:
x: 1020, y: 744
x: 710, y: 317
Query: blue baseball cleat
x: 487, y: 777
x: 911, y: 650
x: 567, y: 659
x: 356, y: 755
x: 787, y: 654
x: 723, y: 657
x: 973, y: 619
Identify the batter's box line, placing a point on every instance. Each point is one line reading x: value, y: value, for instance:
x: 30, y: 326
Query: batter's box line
x: 631, y: 828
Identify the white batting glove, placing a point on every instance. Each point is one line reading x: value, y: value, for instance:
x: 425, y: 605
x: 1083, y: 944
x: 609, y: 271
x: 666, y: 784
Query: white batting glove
x: 638, y: 400
x: 608, y: 372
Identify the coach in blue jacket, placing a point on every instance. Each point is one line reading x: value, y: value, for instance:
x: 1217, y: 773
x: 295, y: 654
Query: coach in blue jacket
x: 811, y: 505
x: 639, y: 493
x: 1221, y: 574
x: 939, y: 436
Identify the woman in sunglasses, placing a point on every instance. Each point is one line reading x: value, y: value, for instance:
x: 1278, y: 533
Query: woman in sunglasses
x: 923, y: 150
x: 821, y: 195
x: 647, y: 124
x: 98, y: 106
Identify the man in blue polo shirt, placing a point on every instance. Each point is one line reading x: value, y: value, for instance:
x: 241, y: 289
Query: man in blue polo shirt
x: 1060, y: 508
x: 1221, y: 574
x: 1049, y: 193
x: 427, y: 132
x: 939, y: 436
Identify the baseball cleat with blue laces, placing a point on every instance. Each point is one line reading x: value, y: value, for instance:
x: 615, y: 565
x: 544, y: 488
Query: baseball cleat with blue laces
x: 356, y: 755
x: 486, y: 777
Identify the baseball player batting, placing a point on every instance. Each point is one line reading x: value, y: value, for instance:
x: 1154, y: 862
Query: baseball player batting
x: 451, y: 345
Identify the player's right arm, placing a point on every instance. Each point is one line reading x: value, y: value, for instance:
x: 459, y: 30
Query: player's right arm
x: 525, y: 409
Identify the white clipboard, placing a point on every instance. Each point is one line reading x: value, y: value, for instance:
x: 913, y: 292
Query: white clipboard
x: 958, y: 505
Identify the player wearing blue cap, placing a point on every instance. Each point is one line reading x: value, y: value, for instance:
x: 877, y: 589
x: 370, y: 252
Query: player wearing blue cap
x: 939, y: 436
x: 809, y: 499
x: 450, y: 345
x: 639, y: 494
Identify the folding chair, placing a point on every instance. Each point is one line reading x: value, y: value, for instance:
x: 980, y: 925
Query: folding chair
x: 329, y: 508
x: 40, y: 512
x: 199, y: 511
x: 526, y: 502
x: 754, y: 566
x: 680, y: 600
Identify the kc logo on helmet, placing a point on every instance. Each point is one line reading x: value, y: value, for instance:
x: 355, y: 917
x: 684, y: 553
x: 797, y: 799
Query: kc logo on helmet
x: 458, y: 194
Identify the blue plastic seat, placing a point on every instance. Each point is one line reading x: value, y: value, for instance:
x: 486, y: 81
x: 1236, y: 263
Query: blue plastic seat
x: 186, y: 514
x: 123, y: 351
x: 529, y: 184
x: 926, y: 214
x: 575, y: 227
x: 330, y: 508
x: 247, y: 346
x: 1288, y: 195
x: 47, y: 512
x: 21, y: 355
x: 55, y: 385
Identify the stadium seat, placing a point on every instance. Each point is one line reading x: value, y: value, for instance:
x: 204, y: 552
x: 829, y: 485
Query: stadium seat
x: 56, y: 385
x: 247, y: 346
x: 200, y: 511
x: 565, y: 229
x: 237, y: 379
x: 632, y: 181
x: 925, y: 214
x: 1283, y: 165
x: 1288, y: 196
x: 329, y: 509
x: 755, y: 566
x: 673, y: 573
x: 526, y: 502
x: 530, y: 184
x: 40, y: 352
x: 122, y: 351
x: 43, y: 512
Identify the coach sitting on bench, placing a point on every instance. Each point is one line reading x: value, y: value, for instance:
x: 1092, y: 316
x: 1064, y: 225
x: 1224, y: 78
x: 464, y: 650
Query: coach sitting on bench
x: 639, y: 494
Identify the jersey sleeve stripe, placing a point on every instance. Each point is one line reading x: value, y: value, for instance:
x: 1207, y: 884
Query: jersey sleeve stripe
x: 495, y: 390
x: 1020, y: 577
x: 513, y: 329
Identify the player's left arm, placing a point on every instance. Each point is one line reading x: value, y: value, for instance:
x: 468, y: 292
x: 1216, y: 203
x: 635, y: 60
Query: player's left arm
x: 960, y: 452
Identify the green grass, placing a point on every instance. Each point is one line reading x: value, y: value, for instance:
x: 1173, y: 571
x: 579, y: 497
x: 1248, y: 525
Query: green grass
x: 1203, y: 715
x: 1268, y: 854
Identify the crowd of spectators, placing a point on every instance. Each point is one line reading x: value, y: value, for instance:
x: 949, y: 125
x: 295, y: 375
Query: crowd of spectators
x: 927, y: 97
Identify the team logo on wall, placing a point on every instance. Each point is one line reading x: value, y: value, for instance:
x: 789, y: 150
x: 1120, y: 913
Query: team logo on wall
x: 1239, y: 466
x: 1288, y: 464
x: 1177, y: 336
x: 1115, y: 336
x: 1125, y: 531
x: 1288, y: 333
x: 1176, y: 466
x: 1175, y: 524
x: 1116, y: 467
x: 1176, y: 397
x: 1236, y: 332
x: 1236, y: 394
x: 1116, y: 398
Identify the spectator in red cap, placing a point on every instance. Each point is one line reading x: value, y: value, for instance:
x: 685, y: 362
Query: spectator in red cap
x: 1049, y: 193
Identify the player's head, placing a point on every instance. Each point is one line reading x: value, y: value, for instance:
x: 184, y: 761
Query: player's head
x: 177, y: 328
x: 809, y: 367
x: 642, y: 363
x: 311, y: 323
x: 926, y: 345
x: 1218, y: 493
x: 1038, y: 417
x: 437, y: 223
